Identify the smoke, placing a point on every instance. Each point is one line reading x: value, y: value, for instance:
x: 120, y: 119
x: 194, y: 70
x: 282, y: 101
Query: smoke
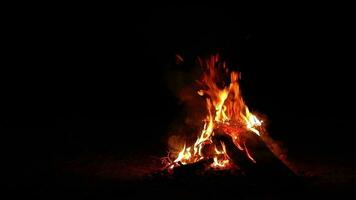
x: 181, y: 79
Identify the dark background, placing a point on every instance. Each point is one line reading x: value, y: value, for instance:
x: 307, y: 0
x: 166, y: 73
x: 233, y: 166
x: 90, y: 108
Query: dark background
x: 88, y: 80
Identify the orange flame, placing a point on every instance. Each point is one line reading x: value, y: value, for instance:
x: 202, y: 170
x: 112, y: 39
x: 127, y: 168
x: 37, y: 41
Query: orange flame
x: 226, y: 110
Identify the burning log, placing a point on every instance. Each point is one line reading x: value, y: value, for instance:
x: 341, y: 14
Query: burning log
x: 264, y: 163
x: 193, y: 168
x: 237, y: 156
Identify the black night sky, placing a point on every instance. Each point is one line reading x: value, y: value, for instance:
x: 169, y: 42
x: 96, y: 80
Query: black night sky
x: 88, y: 81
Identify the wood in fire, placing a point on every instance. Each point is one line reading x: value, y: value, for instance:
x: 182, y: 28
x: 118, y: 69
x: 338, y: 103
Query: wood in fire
x: 266, y: 163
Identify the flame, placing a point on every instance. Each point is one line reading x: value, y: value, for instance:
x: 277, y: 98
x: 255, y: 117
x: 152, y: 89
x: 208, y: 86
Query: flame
x: 226, y: 110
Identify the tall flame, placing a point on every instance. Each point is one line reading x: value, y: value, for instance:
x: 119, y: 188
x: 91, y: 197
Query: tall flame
x: 226, y: 110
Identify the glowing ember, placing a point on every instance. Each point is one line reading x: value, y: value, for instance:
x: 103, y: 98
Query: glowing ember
x: 227, y: 113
